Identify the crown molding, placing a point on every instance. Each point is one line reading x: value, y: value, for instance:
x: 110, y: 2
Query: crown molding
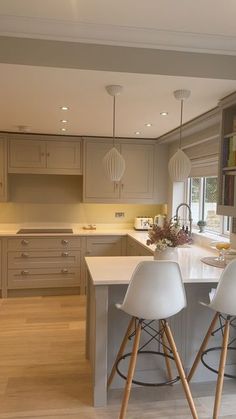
x: 198, y: 124
x: 107, y: 34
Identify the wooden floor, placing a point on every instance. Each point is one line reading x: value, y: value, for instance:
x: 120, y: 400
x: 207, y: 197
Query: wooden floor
x: 44, y: 373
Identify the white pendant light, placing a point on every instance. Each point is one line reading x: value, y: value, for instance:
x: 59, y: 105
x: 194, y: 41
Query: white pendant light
x: 180, y: 165
x: 113, y: 161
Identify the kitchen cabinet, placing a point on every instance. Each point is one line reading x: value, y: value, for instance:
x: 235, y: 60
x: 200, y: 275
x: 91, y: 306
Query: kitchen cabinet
x: 136, y: 249
x: 105, y: 246
x: 137, y: 184
x: 3, y: 170
x: 227, y: 158
x: 43, y: 262
x: 35, y: 155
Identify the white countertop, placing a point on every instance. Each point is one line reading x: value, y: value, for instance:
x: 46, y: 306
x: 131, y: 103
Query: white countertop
x: 118, y: 270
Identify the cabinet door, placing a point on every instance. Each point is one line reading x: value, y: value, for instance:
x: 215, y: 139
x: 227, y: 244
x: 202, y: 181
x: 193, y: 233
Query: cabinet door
x: 3, y: 170
x: 104, y: 246
x: 27, y: 156
x: 64, y: 157
x: 97, y: 187
x: 137, y: 182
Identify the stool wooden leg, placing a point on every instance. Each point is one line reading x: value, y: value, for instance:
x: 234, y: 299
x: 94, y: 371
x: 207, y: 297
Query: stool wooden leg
x: 121, y: 350
x: 203, y: 346
x: 180, y: 369
x: 132, y: 365
x: 220, y: 379
x: 167, y: 360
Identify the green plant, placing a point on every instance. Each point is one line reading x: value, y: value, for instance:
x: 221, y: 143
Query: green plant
x: 201, y: 223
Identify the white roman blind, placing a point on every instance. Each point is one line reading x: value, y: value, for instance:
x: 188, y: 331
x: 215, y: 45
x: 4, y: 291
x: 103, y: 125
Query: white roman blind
x: 204, y: 156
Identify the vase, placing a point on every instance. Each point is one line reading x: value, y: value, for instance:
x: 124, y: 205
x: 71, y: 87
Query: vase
x: 170, y: 253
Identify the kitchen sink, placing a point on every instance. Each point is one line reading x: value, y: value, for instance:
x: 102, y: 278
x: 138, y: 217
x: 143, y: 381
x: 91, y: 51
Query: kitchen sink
x: 45, y: 231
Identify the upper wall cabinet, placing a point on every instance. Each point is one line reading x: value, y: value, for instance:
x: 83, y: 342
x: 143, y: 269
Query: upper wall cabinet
x: 137, y: 184
x: 3, y: 169
x: 40, y: 156
x: 227, y: 160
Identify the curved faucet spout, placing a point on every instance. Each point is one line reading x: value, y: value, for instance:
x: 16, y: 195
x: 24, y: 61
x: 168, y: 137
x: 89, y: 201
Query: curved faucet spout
x: 190, y: 215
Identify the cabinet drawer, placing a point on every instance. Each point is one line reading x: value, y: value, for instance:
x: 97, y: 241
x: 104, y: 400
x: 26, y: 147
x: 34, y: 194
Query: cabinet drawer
x: 27, y: 242
x: 43, y: 259
x: 43, y: 278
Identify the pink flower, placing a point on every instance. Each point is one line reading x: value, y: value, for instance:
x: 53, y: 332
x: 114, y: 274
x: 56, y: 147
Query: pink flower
x: 168, y: 235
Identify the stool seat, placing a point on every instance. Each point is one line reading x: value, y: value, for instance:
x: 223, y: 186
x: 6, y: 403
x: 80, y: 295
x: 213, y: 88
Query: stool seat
x: 224, y: 304
x: 155, y: 293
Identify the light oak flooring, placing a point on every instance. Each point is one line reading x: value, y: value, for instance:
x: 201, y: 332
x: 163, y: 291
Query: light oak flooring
x: 44, y: 374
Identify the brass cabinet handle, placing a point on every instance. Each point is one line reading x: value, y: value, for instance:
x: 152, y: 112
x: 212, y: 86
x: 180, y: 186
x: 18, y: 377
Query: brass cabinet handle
x: 64, y: 241
x: 24, y: 272
x: 24, y: 242
x: 64, y: 271
x: 65, y: 254
x: 24, y: 255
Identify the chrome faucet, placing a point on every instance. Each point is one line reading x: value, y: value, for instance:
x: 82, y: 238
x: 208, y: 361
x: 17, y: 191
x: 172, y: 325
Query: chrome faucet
x: 176, y: 217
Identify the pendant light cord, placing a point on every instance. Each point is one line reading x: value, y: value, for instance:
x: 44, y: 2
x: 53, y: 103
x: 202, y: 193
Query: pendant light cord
x: 114, y: 119
x: 181, y: 122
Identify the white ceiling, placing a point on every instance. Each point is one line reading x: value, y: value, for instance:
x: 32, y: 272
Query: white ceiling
x: 32, y: 96
x: 203, y: 25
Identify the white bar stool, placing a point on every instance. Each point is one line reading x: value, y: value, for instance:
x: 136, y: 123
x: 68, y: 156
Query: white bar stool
x: 155, y: 292
x: 224, y: 303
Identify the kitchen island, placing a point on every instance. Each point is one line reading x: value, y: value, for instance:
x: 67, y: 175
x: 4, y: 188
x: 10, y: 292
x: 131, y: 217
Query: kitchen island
x: 108, y: 278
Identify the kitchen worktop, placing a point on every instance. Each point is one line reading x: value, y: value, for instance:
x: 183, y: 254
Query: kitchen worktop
x: 118, y: 270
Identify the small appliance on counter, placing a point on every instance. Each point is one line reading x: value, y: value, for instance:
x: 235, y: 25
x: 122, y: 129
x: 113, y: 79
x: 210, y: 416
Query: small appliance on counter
x: 143, y: 223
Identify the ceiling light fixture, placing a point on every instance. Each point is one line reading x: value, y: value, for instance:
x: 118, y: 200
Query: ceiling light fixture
x: 180, y: 165
x: 148, y: 124
x: 163, y: 113
x: 113, y: 161
x: 63, y: 129
x: 137, y: 132
x: 64, y: 108
x: 64, y: 121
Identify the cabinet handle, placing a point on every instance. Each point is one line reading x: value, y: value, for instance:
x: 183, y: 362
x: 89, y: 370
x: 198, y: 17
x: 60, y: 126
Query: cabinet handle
x: 64, y: 241
x: 48, y: 154
x: 24, y: 272
x: 24, y: 255
x: 24, y: 242
x: 64, y: 271
x: 0, y: 184
x: 122, y: 186
x: 42, y: 154
x: 87, y: 252
x: 65, y: 254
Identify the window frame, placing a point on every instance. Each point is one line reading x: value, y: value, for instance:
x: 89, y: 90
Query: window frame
x: 224, y: 220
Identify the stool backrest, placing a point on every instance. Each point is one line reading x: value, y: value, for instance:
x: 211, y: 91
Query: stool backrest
x: 224, y: 299
x: 155, y: 291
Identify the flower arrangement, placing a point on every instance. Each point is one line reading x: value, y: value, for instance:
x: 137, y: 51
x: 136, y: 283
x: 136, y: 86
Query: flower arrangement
x: 169, y: 235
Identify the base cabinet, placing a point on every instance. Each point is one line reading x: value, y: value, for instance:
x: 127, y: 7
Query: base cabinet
x: 136, y: 249
x: 105, y: 246
x: 48, y: 262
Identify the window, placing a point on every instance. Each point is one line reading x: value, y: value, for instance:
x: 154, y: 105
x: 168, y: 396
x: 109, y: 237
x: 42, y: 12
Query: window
x: 202, y: 196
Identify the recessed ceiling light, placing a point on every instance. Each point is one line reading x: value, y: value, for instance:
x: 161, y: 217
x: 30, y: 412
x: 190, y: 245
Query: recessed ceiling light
x: 137, y: 132
x: 163, y: 113
x: 64, y: 121
x: 63, y: 129
x: 148, y: 124
x: 64, y: 108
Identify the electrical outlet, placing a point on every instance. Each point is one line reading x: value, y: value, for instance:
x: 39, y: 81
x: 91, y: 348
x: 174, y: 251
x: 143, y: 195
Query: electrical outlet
x: 119, y: 214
